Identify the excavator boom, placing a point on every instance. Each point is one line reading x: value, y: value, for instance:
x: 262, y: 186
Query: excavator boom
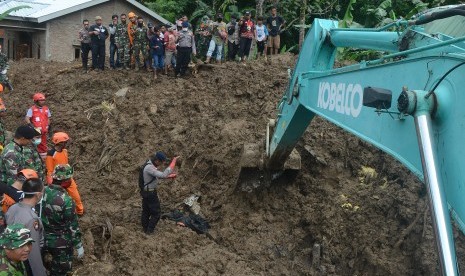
x: 409, y: 103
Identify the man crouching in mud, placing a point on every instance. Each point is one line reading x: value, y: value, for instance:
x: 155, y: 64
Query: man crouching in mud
x: 148, y: 182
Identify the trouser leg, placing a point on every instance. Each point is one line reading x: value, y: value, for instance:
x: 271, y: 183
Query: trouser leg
x: 145, y: 213
x: 74, y: 194
x: 95, y: 56
x: 85, y: 48
x: 42, y: 147
x: 101, y: 56
x: 62, y: 261
x: 248, y: 44
x: 155, y: 212
x: 112, y: 55
x: 219, y: 51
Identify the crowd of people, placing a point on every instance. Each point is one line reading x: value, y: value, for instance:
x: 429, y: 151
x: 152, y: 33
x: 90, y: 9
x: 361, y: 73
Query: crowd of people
x: 161, y: 48
x: 40, y: 199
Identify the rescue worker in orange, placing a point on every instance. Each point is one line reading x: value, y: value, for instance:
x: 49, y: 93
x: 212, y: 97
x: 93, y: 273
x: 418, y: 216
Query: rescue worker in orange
x: 59, y: 156
x: 12, y: 194
x: 39, y: 116
x: 131, y: 27
x: 132, y: 22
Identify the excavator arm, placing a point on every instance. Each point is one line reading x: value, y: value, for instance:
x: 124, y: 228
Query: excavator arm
x: 409, y: 103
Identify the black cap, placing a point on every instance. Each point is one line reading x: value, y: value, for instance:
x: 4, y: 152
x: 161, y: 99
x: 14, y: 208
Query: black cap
x: 26, y: 131
x: 247, y: 13
x: 150, y: 25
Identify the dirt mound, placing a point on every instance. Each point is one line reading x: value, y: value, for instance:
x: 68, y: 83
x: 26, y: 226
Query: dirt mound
x: 367, y: 212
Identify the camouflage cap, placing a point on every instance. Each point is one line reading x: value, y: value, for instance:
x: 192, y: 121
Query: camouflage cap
x: 63, y: 172
x: 15, y: 236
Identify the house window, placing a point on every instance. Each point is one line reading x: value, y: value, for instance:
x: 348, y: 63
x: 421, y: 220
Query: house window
x: 77, y: 53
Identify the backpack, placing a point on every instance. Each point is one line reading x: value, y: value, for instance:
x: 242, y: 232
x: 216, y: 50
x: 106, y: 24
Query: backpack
x: 142, y: 184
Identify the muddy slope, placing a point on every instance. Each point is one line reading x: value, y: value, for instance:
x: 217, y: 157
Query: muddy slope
x: 364, y: 209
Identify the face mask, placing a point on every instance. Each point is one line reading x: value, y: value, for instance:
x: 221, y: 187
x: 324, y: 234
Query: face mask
x: 184, y: 29
x: 140, y: 24
x: 36, y: 141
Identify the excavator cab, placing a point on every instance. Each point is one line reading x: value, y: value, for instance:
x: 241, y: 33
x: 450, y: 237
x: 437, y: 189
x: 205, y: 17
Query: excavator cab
x: 408, y: 103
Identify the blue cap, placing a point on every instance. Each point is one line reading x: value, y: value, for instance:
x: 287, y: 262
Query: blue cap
x: 160, y: 156
x: 185, y: 24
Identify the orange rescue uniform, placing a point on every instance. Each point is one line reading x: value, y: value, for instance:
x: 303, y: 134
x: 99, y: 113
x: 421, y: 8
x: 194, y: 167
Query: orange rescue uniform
x: 55, y: 158
x: 7, y: 202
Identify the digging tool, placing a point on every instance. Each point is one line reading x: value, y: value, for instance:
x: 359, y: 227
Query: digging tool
x: 421, y: 65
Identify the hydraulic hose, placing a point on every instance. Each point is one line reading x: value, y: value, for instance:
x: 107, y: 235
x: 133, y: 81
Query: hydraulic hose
x: 429, y: 17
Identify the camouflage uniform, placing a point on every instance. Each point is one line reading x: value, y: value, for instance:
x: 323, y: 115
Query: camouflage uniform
x: 15, y: 158
x: 4, y: 66
x: 203, y: 36
x: 34, y: 161
x: 122, y: 40
x: 62, y: 231
x: 10, y: 268
x: 141, y: 44
x: 15, y: 236
x: 2, y: 134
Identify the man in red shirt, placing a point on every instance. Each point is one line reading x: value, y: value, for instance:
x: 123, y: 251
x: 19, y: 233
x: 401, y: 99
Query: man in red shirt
x: 247, y: 34
x: 170, y: 49
x: 39, y: 117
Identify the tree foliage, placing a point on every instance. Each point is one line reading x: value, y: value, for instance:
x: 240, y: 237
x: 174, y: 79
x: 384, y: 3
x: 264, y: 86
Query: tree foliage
x: 351, y: 13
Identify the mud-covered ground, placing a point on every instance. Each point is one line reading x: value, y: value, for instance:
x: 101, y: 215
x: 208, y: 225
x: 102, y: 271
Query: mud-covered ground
x: 367, y: 212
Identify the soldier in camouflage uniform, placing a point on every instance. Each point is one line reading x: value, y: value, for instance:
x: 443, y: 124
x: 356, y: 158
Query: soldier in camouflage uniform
x: 15, y: 244
x: 122, y: 41
x: 33, y: 158
x: 203, y: 36
x: 60, y: 221
x: 4, y: 66
x: 2, y: 126
x: 16, y: 155
x: 141, y: 44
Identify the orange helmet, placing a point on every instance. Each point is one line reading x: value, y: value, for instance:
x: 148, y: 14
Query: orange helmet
x: 28, y: 173
x: 131, y: 14
x: 38, y: 97
x: 60, y: 137
x: 2, y: 105
x: 1, y: 87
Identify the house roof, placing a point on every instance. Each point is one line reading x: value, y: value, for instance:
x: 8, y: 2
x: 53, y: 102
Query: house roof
x: 45, y: 10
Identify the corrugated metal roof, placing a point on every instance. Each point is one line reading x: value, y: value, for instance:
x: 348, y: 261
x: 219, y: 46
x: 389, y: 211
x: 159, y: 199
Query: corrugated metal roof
x: 35, y: 6
x: 44, y: 10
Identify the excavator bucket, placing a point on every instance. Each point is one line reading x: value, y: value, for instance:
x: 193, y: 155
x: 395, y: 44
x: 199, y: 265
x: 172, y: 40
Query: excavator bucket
x: 254, y: 173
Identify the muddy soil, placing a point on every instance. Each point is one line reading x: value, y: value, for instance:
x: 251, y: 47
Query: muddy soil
x: 368, y: 214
